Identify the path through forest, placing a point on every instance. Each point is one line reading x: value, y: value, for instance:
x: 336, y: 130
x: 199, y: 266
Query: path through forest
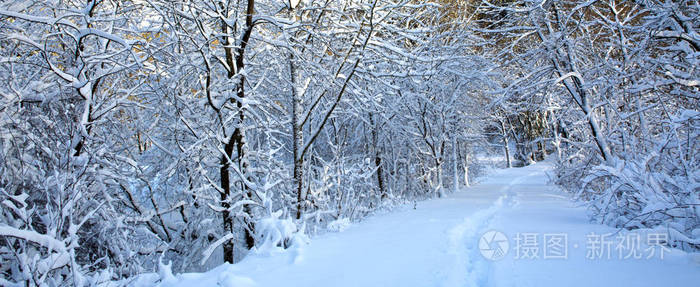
x: 446, y: 242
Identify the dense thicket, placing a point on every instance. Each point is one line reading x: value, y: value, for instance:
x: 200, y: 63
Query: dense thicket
x: 199, y: 131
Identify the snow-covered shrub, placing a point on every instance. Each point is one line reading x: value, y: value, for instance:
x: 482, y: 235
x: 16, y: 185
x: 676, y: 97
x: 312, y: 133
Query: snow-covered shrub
x: 64, y: 98
x: 637, y: 194
x: 339, y: 224
x: 49, y: 199
x: 659, y: 188
x: 275, y: 234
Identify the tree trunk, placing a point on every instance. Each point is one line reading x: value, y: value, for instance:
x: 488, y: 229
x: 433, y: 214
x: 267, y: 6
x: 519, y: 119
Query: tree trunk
x: 298, y: 138
x: 377, y: 159
x: 438, y: 171
x: 455, y: 172
x: 250, y: 10
x: 575, y: 88
x: 466, y: 170
x: 505, y: 145
x: 225, y: 200
x: 237, y: 138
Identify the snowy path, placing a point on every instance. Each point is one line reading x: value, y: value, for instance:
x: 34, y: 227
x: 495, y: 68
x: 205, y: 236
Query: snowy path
x: 436, y: 244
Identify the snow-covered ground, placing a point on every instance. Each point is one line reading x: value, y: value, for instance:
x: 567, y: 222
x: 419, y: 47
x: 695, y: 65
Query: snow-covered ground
x: 439, y: 243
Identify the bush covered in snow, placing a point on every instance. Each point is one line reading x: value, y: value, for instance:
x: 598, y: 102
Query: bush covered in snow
x: 656, y: 189
x: 639, y: 194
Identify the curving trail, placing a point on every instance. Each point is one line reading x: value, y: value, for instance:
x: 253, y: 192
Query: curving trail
x: 437, y: 244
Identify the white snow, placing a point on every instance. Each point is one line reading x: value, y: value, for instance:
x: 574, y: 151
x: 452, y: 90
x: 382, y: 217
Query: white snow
x: 437, y: 244
x: 339, y: 224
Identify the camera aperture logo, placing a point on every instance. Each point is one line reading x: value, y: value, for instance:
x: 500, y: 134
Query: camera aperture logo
x: 493, y: 245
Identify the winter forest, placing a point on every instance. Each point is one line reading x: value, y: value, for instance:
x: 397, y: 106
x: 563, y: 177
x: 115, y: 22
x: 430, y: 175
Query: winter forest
x: 140, y: 133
